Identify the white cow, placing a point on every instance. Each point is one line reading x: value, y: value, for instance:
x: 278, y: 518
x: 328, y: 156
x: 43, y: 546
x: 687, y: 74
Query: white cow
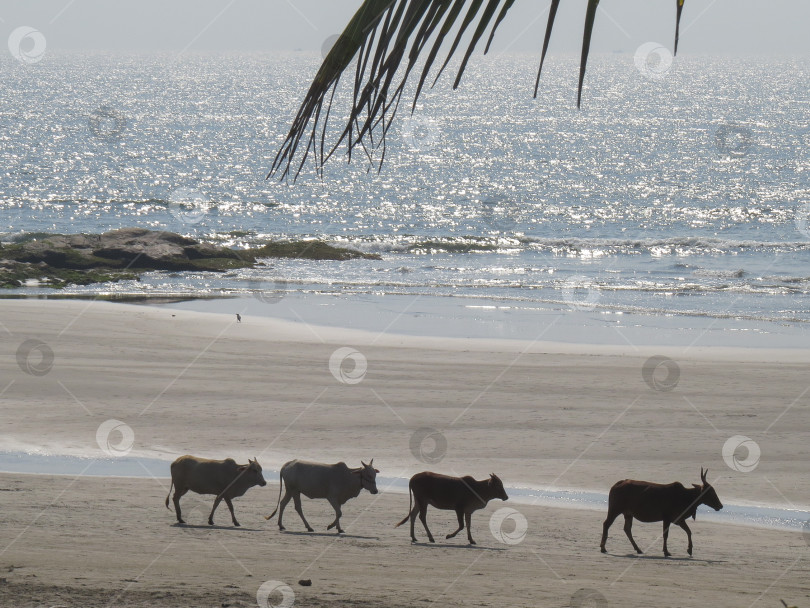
x: 337, y: 483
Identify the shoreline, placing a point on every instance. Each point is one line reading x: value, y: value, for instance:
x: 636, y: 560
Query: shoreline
x: 555, y: 415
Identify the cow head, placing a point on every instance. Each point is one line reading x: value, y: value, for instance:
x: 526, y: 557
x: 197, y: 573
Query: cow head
x: 252, y: 471
x: 496, y: 485
x: 707, y: 494
x: 368, y: 477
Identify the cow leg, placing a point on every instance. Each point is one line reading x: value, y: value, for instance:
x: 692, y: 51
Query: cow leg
x: 338, y: 513
x: 413, y: 514
x: 628, y: 526
x: 282, y: 504
x: 605, y: 527
x: 460, y: 515
x: 666, y: 535
x: 468, y: 517
x: 214, y: 508
x: 688, y: 535
x: 178, y: 494
x: 230, y: 508
x: 423, y: 519
x: 297, y: 502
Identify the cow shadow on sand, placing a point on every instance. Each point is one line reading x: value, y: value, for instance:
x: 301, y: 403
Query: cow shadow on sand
x: 678, y: 558
x: 467, y: 546
x: 214, y: 527
x: 329, y: 534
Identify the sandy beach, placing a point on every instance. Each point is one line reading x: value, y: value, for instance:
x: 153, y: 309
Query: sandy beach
x: 538, y: 414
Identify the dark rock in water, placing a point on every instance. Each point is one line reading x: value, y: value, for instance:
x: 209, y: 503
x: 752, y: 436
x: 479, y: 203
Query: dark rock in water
x: 61, y: 259
x: 305, y: 582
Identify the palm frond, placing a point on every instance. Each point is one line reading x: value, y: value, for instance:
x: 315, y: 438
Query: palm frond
x: 387, y: 38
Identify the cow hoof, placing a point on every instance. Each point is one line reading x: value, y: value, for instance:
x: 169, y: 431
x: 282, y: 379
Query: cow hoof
x: 340, y: 531
x: 310, y: 529
x: 282, y: 528
x: 472, y: 542
x: 210, y: 522
x: 180, y: 521
x: 639, y: 551
x: 603, y: 550
x: 432, y: 540
x: 236, y: 523
x: 667, y: 554
x: 413, y: 540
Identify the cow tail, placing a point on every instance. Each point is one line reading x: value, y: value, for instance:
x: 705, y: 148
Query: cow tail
x: 169, y: 494
x: 410, y: 502
x: 280, y: 484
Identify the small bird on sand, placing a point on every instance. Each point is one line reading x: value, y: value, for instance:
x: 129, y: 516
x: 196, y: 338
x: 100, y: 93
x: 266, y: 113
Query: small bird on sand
x: 238, y: 318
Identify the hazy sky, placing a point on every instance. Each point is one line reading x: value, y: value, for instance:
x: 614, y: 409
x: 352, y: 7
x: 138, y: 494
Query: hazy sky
x: 740, y: 27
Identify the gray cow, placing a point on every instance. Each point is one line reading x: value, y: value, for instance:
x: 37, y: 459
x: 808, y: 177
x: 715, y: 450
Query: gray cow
x: 337, y: 483
x: 224, y: 478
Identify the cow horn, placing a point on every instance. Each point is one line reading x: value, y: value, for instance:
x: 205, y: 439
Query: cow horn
x: 371, y: 463
x: 363, y: 463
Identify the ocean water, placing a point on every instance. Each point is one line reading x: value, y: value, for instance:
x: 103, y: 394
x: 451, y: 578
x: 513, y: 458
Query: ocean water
x: 682, y: 194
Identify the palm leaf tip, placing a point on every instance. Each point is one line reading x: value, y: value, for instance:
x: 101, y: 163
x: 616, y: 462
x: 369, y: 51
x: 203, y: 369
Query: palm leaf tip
x: 385, y: 39
x: 679, y: 10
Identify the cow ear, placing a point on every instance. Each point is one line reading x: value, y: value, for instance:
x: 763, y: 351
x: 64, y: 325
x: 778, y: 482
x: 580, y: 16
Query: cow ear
x: 376, y: 470
x: 694, y: 485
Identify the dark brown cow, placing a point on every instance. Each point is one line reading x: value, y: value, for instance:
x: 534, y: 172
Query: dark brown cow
x: 671, y: 503
x: 460, y: 494
x: 224, y: 478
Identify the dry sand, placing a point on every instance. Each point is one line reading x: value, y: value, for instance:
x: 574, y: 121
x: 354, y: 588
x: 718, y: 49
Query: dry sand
x: 535, y: 413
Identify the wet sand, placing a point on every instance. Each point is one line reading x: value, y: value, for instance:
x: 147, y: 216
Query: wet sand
x: 539, y: 414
